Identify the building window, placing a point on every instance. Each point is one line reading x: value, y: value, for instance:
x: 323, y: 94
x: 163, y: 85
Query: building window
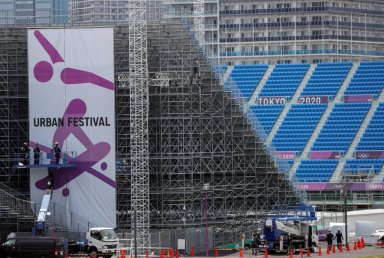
x: 318, y: 4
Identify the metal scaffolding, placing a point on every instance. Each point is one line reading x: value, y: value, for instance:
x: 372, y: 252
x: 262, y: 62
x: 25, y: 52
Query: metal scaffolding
x: 198, y: 9
x: 138, y: 83
x: 197, y: 134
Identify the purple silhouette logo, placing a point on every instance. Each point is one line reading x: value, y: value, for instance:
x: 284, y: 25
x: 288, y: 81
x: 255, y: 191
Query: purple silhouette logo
x: 95, y: 152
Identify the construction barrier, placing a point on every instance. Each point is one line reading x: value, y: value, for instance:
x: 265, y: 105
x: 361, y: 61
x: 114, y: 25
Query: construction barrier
x: 241, y: 253
x: 265, y: 253
x: 192, y: 251
x: 290, y: 253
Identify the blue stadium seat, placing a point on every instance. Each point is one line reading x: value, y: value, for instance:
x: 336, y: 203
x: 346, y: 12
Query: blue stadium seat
x: 247, y: 77
x: 368, y: 79
x: 373, y: 137
x: 284, y: 80
x: 326, y: 79
x: 297, y: 127
x: 341, y: 127
x: 363, y: 165
x: 316, y: 170
x: 266, y: 115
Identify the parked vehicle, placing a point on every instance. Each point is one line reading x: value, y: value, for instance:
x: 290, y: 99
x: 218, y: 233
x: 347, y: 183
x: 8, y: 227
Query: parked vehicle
x: 292, y: 231
x: 101, y: 241
x: 32, y: 247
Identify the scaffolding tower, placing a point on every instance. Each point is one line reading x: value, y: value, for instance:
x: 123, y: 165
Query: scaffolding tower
x: 138, y: 82
x: 197, y: 135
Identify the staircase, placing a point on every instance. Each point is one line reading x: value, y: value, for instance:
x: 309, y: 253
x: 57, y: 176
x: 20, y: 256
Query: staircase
x: 276, y: 126
x: 304, y: 82
x: 288, y: 105
x: 226, y: 74
x: 379, y: 178
x: 346, y: 82
x: 261, y: 84
x: 317, y: 130
x: 336, y: 174
x: 363, y: 127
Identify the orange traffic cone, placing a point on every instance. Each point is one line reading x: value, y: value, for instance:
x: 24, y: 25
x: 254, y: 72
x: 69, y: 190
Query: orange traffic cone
x: 347, y: 247
x: 177, y: 254
x: 301, y: 253
x: 362, y: 243
x: 333, y: 249
x: 265, y: 253
x: 308, y: 252
x: 319, y: 253
x: 161, y: 254
x: 328, y: 250
x: 358, y: 244
x: 216, y: 252
x: 290, y: 254
x: 341, y: 248
x: 354, y: 246
x: 192, y: 251
x: 146, y: 254
x: 94, y: 256
x: 241, y: 253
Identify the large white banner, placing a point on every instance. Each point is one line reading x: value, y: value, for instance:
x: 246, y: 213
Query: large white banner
x: 71, y: 102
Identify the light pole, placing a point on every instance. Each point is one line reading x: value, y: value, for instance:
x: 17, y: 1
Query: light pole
x: 344, y: 194
x: 206, y: 188
x: 184, y: 220
x: 135, y: 232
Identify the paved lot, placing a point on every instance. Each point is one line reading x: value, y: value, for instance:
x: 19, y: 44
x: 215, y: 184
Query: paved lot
x: 367, y: 251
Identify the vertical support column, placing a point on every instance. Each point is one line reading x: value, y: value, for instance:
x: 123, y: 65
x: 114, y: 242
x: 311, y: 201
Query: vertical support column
x: 138, y: 82
x: 4, y: 116
x: 199, y: 22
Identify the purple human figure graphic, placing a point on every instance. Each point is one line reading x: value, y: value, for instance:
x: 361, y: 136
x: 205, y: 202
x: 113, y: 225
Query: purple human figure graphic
x: 94, y: 153
x: 85, y: 161
x: 43, y: 70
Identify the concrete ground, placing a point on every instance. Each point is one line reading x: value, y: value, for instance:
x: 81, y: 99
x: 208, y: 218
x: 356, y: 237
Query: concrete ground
x: 367, y: 251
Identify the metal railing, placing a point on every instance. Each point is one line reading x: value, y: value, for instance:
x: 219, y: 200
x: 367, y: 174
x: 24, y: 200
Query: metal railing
x: 302, y: 52
x: 21, y: 159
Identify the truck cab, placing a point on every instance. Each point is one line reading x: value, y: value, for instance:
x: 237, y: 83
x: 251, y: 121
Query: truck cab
x: 102, y: 241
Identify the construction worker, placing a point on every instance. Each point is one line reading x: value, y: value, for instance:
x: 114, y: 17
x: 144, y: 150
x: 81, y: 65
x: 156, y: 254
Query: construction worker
x: 57, y: 152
